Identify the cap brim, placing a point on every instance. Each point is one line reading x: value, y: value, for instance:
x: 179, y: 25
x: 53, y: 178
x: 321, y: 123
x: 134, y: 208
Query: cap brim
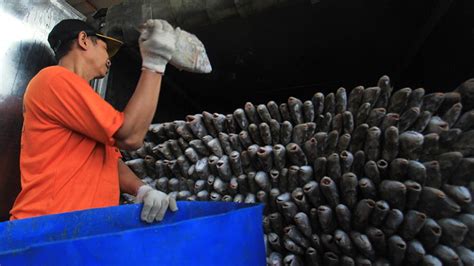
x: 113, y: 45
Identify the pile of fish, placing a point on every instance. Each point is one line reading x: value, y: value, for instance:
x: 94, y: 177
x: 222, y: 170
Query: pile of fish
x: 372, y: 176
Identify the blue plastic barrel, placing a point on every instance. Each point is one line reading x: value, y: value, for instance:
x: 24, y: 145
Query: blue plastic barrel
x: 200, y: 233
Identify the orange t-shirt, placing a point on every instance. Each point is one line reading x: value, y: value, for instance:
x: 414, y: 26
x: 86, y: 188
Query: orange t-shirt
x: 68, y: 160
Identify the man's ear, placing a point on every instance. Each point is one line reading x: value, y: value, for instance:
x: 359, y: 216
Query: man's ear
x: 82, y: 40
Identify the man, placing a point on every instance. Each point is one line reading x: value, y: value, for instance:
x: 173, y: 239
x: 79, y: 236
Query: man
x: 69, y: 157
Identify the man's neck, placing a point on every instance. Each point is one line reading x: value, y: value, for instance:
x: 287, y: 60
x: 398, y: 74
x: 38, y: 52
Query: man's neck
x: 76, y: 64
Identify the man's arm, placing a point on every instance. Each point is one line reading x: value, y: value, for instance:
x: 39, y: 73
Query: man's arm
x: 157, y: 44
x: 129, y: 182
x: 139, y: 111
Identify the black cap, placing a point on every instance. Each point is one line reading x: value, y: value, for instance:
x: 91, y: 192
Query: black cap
x: 68, y: 29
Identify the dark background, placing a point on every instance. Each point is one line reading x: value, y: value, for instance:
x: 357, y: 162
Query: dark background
x: 320, y: 46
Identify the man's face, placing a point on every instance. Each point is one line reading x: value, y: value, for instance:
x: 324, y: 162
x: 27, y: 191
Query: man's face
x: 100, y: 58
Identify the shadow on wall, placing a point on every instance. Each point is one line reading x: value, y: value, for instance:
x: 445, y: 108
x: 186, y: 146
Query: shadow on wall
x: 24, y: 61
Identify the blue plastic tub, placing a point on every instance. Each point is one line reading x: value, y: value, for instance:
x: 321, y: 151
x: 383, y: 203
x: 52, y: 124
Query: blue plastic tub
x: 200, y: 233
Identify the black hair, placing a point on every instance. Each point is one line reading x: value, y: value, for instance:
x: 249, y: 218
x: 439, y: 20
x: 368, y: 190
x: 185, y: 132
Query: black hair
x: 67, y: 46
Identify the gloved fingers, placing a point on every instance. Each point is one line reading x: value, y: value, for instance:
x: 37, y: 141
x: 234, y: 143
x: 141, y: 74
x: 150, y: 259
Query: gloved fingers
x: 145, y: 34
x: 159, y: 25
x: 143, y: 26
x: 164, y: 207
x: 147, y: 206
x: 152, y: 25
x: 157, y: 204
x: 156, y: 24
x: 146, y: 29
x: 172, y: 203
x: 166, y: 26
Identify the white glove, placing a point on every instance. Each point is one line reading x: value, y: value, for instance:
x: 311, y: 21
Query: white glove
x: 155, y: 203
x: 157, y: 44
x: 190, y: 54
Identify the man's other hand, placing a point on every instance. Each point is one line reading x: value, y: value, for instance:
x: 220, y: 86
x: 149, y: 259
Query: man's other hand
x: 155, y: 203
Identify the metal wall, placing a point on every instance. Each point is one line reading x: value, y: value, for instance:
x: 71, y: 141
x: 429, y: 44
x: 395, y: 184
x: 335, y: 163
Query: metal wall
x: 24, y: 50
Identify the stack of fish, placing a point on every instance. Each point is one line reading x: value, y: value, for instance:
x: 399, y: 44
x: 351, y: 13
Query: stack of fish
x: 367, y: 177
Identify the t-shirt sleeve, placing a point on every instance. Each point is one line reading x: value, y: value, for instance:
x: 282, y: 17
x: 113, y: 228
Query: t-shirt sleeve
x: 76, y: 106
